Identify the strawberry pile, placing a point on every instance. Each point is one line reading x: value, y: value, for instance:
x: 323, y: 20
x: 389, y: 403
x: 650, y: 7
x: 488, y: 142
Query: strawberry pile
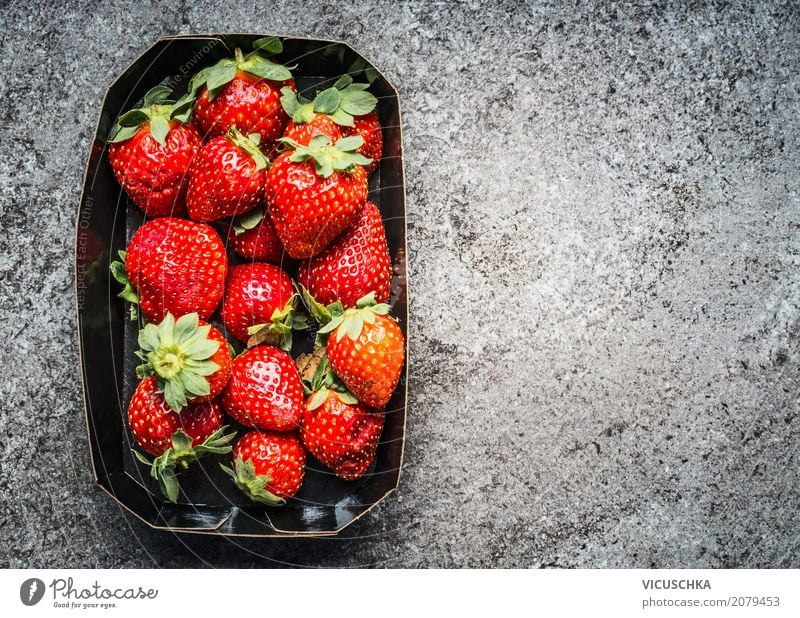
x: 257, y: 226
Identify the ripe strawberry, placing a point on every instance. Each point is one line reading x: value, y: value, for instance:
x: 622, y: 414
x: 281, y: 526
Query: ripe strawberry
x: 320, y: 124
x: 258, y: 297
x: 339, y: 431
x: 268, y: 466
x: 316, y: 192
x: 253, y: 236
x: 369, y: 127
x: 226, y: 177
x: 344, y: 109
x: 366, y: 349
x: 264, y: 390
x: 190, y: 359
x: 150, y: 150
x: 355, y: 264
x: 174, y: 439
x: 243, y: 91
x: 176, y: 266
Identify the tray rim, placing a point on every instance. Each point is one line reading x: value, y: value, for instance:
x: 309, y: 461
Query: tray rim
x: 79, y: 339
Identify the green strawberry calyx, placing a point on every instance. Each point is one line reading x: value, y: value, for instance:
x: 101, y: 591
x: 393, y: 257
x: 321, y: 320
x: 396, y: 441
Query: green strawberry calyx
x: 324, y: 381
x: 341, y: 102
x: 248, y: 144
x: 158, y: 110
x: 278, y: 331
x: 128, y: 292
x: 320, y: 313
x: 181, y: 454
x: 248, y: 220
x: 252, y: 484
x: 327, y: 157
x: 178, y: 352
x: 256, y: 63
x: 351, y: 322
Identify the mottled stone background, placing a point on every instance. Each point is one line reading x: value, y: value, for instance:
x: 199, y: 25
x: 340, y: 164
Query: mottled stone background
x: 604, y: 242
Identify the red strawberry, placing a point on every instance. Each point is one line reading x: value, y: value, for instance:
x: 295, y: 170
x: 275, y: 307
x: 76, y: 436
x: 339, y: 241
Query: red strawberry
x: 226, y: 177
x: 315, y: 193
x: 366, y: 349
x: 177, y: 266
x: 339, y: 431
x: 259, y: 295
x: 243, y: 91
x: 342, y: 110
x: 253, y: 236
x: 150, y: 150
x: 174, y: 439
x: 369, y: 127
x: 354, y: 265
x: 264, y: 390
x: 268, y: 466
x: 320, y: 124
x: 190, y: 359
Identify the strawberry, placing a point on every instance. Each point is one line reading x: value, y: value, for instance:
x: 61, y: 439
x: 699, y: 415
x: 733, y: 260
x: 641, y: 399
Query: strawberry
x: 264, y: 390
x: 354, y: 265
x: 190, y: 359
x: 339, y: 431
x: 150, y: 150
x: 226, y: 177
x: 316, y: 192
x: 174, y: 439
x: 253, y: 236
x: 243, y: 91
x: 366, y: 349
x: 260, y: 297
x: 369, y: 127
x: 342, y: 110
x: 173, y: 266
x: 267, y: 466
x: 320, y: 124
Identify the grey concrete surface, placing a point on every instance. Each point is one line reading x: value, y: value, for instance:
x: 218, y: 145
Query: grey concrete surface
x: 603, y: 232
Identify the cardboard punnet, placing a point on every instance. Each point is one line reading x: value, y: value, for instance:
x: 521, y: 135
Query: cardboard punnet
x: 210, y: 503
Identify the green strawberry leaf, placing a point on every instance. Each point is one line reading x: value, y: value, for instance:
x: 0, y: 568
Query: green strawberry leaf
x: 342, y: 118
x: 327, y: 101
x: 157, y: 95
x: 343, y: 82
x: 270, y: 45
x: 122, y: 134
x: 219, y: 75
x: 358, y: 102
x: 248, y: 220
x: 265, y: 69
x: 159, y: 128
x: 133, y: 118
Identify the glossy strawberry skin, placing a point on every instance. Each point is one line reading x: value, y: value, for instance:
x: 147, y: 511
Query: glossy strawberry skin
x: 320, y: 124
x: 178, y: 266
x: 250, y: 103
x: 264, y: 391
x: 370, y: 366
x: 368, y: 127
x: 155, y: 176
x: 152, y: 422
x: 222, y: 357
x: 343, y: 437
x: 223, y: 182
x: 280, y: 456
x: 252, y: 293
x: 260, y: 243
x: 354, y: 265
x: 310, y: 211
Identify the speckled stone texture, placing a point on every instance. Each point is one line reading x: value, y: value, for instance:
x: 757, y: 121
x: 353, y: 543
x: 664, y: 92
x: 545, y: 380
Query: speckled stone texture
x: 604, y: 236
